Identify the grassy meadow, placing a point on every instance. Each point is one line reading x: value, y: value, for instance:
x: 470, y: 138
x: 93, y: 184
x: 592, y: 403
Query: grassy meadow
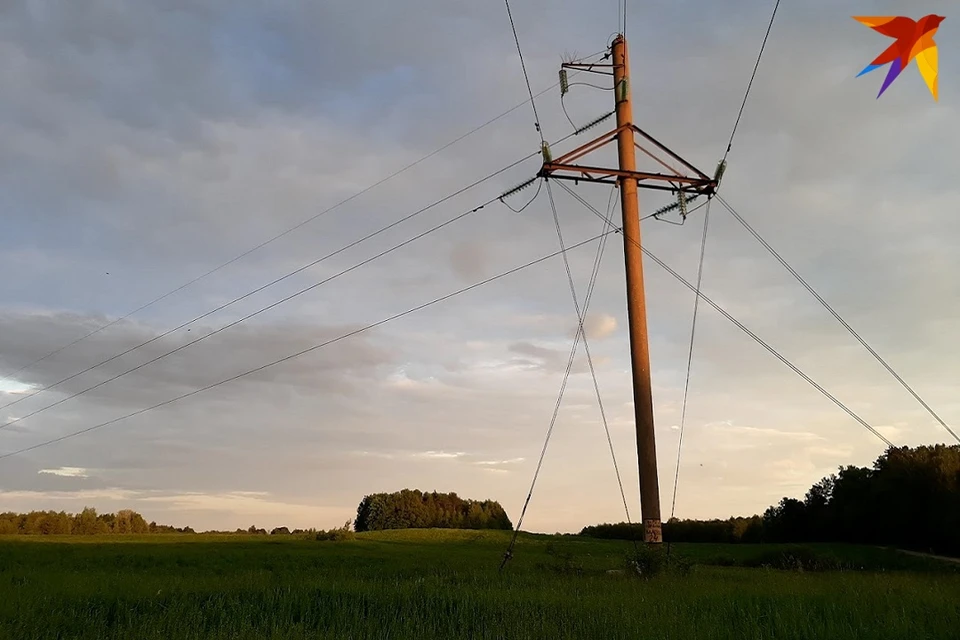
x: 446, y: 584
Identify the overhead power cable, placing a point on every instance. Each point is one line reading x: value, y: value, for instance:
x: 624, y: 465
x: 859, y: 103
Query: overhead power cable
x: 581, y: 318
x: 533, y: 102
x: 773, y: 351
x: 278, y: 236
x: 307, y: 266
x: 307, y: 350
x: 255, y: 313
x: 839, y: 318
x: 693, y: 333
x: 752, y: 76
x: 745, y: 330
x: 275, y: 282
x: 563, y: 386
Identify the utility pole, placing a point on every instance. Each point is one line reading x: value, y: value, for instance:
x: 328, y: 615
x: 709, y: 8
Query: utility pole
x: 686, y: 187
x: 636, y: 303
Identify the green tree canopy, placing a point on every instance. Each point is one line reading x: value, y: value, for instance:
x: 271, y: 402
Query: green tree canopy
x: 413, y: 509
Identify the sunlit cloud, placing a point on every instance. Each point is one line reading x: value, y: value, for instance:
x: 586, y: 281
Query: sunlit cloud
x: 494, y: 463
x: 66, y: 472
x: 15, y: 387
x: 440, y: 455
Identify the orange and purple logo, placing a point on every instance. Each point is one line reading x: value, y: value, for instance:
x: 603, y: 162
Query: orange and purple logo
x: 914, y: 39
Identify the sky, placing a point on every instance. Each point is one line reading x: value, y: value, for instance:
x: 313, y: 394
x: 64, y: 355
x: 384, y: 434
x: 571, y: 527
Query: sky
x: 143, y: 145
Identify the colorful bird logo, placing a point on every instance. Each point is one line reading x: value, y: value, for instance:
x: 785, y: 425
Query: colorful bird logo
x: 914, y: 40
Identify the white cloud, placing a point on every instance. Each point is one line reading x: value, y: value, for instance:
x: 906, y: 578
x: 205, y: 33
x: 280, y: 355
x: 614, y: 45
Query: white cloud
x: 500, y: 462
x: 599, y: 326
x: 103, y: 495
x: 246, y: 504
x: 15, y: 387
x: 67, y: 472
x: 193, y: 508
x: 439, y: 455
x: 765, y: 433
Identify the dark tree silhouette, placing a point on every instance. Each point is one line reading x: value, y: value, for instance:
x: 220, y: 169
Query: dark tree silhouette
x: 413, y: 509
x: 909, y: 498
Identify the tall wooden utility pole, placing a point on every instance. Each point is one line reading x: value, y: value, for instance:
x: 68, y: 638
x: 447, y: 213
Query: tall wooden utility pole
x: 686, y: 187
x: 636, y: 304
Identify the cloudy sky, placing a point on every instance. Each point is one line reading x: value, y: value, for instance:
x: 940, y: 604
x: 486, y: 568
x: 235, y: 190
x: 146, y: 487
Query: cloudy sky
x: 144, y: 144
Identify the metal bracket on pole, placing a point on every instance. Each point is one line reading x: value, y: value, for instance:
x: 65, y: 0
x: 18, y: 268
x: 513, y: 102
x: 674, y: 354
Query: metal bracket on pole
x: 693, y: 181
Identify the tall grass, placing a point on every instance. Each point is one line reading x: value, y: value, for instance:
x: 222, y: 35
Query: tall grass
x: 445, y: 584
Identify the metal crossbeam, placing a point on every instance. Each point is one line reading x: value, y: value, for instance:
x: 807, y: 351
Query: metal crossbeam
x: 564, y: 167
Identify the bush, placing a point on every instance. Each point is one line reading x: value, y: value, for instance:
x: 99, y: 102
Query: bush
x: 723, y: 561
x: 564, y: 562
x: 796, y: 559
x: 648, y: 561
x: 340, y: 534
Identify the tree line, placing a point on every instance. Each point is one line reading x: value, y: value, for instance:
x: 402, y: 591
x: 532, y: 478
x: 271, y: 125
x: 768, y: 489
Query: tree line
x: 399, y: 510
x: 125, y: 521
x: 730, y: 531
x: 87, y: 522
x: 909, y: 498
x: 413, y: 509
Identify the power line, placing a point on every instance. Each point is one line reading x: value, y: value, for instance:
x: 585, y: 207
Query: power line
x: 255, y: 313
x: 586, y: 346
x: 309, y: 349
x: 563, y: 387
x: 693, y: 333
x: 277, y: 237
x: 773, y: 351
x: 752, y: 76
x: 836, y: 315
x: 277, y: 280
x: 533, y: 103
x: 745, y: 330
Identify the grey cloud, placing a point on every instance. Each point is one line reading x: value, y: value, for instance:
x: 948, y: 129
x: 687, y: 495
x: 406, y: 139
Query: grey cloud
x: 470, y: 261
x: 555, y: 360
x: 341, y: 368
x: 159, y: 142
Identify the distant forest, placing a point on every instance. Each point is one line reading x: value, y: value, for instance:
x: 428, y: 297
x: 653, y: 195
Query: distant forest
x: 413, y: 509
x: 909, y: 498
x: 87, y: 522
x: 125, y: 521
x: 404, y: 509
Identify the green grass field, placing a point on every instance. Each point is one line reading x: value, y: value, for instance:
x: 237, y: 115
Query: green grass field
x: 445, y: 584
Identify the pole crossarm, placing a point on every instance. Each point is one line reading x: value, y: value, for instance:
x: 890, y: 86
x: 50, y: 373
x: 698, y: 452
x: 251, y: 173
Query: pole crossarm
x: 590, y: 67
x: 564, y: 167
x: 590, y: 174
